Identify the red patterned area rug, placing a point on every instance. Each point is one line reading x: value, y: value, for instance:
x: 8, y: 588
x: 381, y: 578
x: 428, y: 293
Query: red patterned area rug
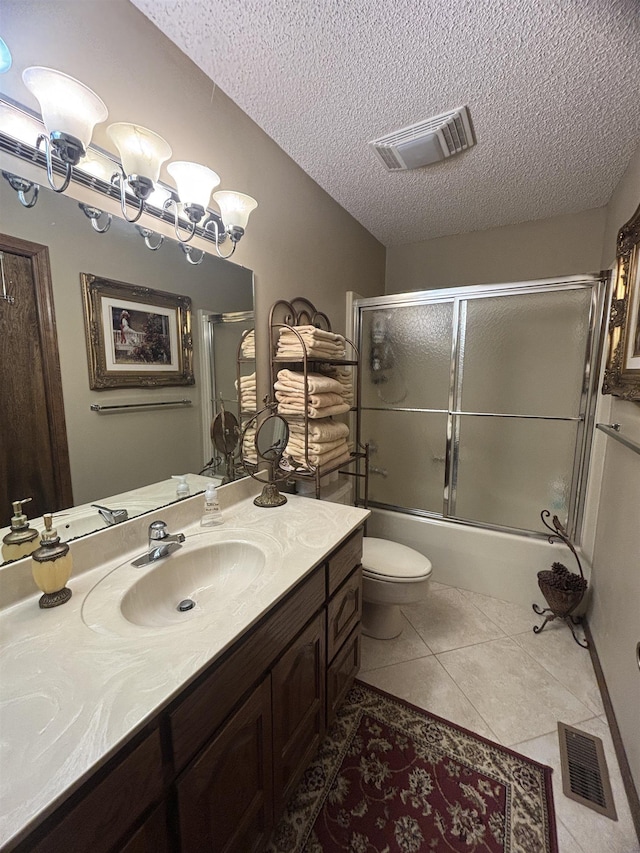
x: 391, y: 778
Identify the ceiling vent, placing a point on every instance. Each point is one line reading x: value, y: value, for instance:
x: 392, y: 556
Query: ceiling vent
x: 425, y: 142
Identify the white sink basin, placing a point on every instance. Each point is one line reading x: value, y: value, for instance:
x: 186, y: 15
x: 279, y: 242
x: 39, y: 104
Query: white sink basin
x: 211, y: 574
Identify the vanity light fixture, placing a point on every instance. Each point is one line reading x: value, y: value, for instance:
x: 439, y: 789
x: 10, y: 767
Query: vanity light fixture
x: 132, y: 177
x: 22, y: 186
x: 100, y: 220
x: 195, y: 184
x: 191, y: 256
x: 70, y: 111
x: 147, y: 234
x: 142, y: 152
x: 235, y: 209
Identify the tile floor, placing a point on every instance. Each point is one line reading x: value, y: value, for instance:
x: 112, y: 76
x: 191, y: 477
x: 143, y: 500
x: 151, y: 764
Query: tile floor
x: 475, y: 661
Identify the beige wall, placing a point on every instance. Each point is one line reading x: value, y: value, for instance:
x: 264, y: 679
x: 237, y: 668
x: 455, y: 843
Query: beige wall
x: 615, y: 613
x: 299, y: 241
x: 560, y: 245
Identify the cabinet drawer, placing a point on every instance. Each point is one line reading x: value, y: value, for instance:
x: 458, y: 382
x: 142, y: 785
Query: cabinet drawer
x: 344, y: 561
x: 103, y: 816
x: 198, y: 716
x: 344, y: 612
x: 341, y: 673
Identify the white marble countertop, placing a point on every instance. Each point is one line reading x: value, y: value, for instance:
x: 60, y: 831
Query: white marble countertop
x: 71, y: 694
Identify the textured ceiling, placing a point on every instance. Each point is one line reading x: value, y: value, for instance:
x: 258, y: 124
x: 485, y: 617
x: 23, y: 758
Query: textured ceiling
x: 553, y: 87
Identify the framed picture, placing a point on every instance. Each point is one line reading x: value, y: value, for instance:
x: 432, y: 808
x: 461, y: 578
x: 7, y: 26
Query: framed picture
x: 622, y: 374
x: 136, y: 337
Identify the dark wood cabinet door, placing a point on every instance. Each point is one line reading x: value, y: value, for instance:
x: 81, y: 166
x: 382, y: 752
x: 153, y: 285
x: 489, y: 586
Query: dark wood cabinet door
x: 152, y: 837
x: 342, y: 672
x: 298, y: 689
x: 225, y: 797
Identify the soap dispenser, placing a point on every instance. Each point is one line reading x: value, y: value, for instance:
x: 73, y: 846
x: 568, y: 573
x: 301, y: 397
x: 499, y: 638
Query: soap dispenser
x: 22, y: 540
x: 211, y: 516
x: 182, y: 489
x: 51, y: 565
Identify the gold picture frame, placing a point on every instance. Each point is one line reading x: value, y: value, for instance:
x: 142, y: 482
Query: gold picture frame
x: 622, y: 373
x: 136, y: 337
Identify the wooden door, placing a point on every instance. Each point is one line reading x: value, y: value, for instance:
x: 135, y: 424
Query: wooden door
x: 34, y: 457
x: 225, y: 799
x: 298, y: 686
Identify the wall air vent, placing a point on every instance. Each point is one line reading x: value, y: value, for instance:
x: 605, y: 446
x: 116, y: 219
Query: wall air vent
x: 426, y: 142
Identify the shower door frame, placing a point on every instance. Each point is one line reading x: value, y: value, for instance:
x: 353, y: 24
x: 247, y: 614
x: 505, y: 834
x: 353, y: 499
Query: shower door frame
x: 459, y: 297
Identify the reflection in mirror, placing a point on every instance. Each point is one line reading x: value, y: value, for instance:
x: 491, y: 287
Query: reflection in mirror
x: 119, y: 450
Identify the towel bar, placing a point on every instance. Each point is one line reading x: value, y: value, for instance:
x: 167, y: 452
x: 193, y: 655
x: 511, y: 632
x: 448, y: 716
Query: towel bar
x: 98, y: 407
x: 613, y: 430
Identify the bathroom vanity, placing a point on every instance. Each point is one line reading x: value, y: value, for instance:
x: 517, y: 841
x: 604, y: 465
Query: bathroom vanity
x: 190, y: 737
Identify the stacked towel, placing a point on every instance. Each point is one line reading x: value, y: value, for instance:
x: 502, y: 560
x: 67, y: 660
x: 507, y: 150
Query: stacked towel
x: 317, y: 343
x: 248, y: 393
x: 344, y: 375
x: 325, y: 431
x: 248, y: 345
x: 325, y: 395
x: 316, y: 453
x: 248, y: 445
x: 324, y: 410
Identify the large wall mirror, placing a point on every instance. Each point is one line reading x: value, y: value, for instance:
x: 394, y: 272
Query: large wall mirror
x: 118, y: 450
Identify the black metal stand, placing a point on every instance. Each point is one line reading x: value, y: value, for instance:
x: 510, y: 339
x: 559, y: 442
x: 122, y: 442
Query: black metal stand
x: 549, y: 616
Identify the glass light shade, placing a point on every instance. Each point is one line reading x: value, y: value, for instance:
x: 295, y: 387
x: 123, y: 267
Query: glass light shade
x: 195, y: 183
x: 5, y: 57
x: 142, y: 151
x: 67, y: 105
x: 19, y: 125
x: 234, y: 208
x: 97, y: 165
x: 158, y: 197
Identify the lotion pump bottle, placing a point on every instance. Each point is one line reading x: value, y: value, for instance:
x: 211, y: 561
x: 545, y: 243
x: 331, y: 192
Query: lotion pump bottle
x: 51, y: 566
x: 182, y: 489
x: 212, y: 515
x: 22, y: 540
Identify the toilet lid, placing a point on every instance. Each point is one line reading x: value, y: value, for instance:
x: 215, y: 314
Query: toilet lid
x: 384, y: 559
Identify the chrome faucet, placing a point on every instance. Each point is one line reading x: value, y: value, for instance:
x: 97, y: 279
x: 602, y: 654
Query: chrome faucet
x: 112, y: 516
x: 161, y: 544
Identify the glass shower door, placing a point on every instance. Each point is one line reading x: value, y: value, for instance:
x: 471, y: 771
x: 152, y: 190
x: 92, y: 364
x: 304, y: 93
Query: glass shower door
x: 475, y: 400
x: 519, y: 406
x: 406, y: 386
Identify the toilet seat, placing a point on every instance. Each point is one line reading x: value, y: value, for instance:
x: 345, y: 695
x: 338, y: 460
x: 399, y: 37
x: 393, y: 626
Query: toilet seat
x: 383, y: 560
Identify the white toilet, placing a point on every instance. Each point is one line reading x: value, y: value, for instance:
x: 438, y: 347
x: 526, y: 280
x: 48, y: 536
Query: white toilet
x: 392, y: 575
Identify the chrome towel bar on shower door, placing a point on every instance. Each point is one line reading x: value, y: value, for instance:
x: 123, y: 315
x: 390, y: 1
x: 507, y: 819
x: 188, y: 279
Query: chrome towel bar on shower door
x: 98, y: 407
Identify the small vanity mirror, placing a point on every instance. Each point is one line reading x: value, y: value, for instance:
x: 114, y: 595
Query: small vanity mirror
x: 269, y: 443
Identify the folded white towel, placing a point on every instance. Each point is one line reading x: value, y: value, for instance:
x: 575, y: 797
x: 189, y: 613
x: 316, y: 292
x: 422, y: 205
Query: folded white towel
x: 317, y: 401
x: 320, y: 430
x: 316, y: 383
x: 324, y: 412
x: 311, y: 333
x: 248, y: 345
x: 295, y: 444
x: 318, y: 458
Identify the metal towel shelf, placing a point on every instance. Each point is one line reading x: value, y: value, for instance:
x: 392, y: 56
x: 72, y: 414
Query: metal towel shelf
x: 98, y: 407
x: 613, y: 430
